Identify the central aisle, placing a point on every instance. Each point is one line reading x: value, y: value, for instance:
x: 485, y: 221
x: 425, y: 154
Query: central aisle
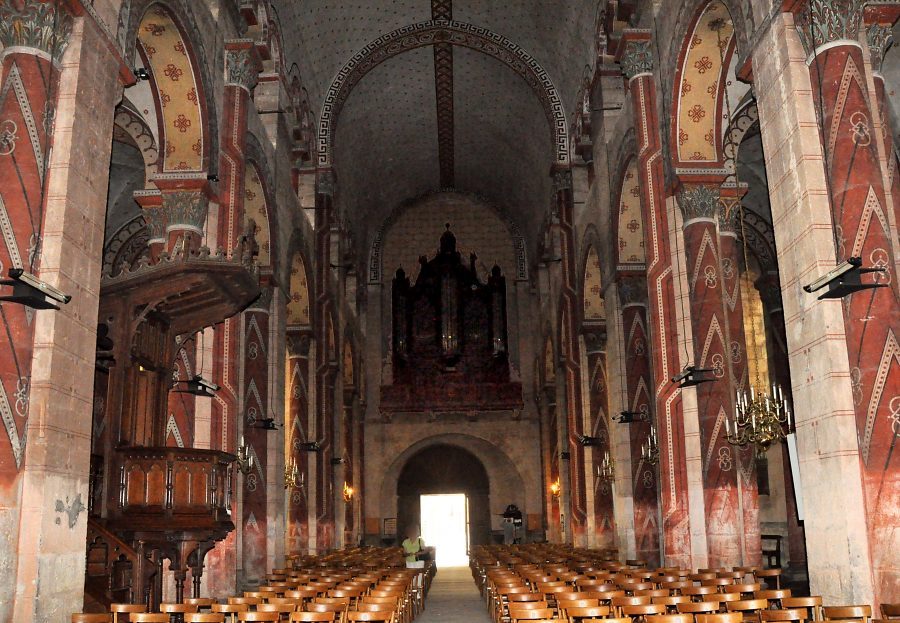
x: 454, y: 597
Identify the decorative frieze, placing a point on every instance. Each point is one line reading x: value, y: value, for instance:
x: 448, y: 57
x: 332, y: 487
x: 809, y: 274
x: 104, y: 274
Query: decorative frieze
x: 699, y: 202
x: 820, y: 22
x: 36, y: 25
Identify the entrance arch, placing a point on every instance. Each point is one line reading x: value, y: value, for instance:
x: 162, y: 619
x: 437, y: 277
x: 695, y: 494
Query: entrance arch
x: 445, y: 468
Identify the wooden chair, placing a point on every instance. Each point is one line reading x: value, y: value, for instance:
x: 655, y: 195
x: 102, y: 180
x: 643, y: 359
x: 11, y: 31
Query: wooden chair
x: 847, y: 613
x: 698, y: 607
x: 534, y: 614
x: 812, y: 605
x: 749, y: 608
x: 82, y: 617
x: 149, y: 617
x: 637, y: 613
x: 305, y: 617
x: 380, y: 617
x: 670, y: 602
x: 283, y: 609
x: 245, y: 601
x: 768, y: 576
x: 204, y: 617
x: 743, y: 589
x: 890, y: 611
x: 799, y: 615
x: 697, y: 592
x: 578, y: 613
x: 173, y: 608
x: 126, y: 609
x: 340, y: 610
x: 232, y: 610
x: 202, y: 603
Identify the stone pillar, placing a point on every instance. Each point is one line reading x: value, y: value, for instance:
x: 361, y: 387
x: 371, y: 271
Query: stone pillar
x: 879, y: 19
x: 570, y: 351
x: 859, y: 209
x: 59, y: 82
x: 325, y: 327
x: 254, y: 518
x: 840, y: 569
x: 770, y: 293
x: 632, y: 291
x: 724, y: 520
x: 681, y: 541
x: 731, y: 258
x: 297, y: 426
x: 604, y: 536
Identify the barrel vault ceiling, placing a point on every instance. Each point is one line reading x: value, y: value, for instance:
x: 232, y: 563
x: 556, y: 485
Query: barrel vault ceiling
x: 441, y: 116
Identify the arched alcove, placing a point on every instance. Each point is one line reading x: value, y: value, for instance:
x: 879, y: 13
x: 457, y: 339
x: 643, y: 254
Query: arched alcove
x: 445, y: 468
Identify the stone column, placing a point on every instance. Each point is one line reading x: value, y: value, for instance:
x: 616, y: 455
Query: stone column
x: 879, y: 19
x: 724, y: 520
x: 859, y: 209
x: 59, y: 82
x: 840, y: 569
x: 731, y: 258
x: 639, y: 382
x: 297, y: 426
x: 570, y: 350
x: 325, y: 327
x: 254, y: 520
x: 681, y: 540
x: 604, y: 536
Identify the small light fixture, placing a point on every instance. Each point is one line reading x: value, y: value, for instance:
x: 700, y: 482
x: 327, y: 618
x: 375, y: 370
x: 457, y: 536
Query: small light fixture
x: 142, y: 73
x: 309, y: 446
x: 587, y: 441
x: 692, y: 375
x: 244, y: 459
x: 348, y: 492
x: 844, y: 279
x: 627, y: 417
x: 555, y: 488
x: 650, y: 448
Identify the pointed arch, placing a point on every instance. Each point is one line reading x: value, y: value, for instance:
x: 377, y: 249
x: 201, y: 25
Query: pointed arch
x: 298, y: 310
x: 594, y: 309
x: 256, y: 207
x: 629, y: 219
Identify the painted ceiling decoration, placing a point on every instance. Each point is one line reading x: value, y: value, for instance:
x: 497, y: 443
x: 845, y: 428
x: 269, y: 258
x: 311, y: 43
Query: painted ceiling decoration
x: 594, y: 309
x: 631, y: 226
x: 298, y: 305
x: 699, y: 102
x: 256, y: 208
x: 164, y: 50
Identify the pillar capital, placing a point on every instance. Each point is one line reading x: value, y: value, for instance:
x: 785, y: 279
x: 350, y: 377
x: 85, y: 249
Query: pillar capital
x: 42, y: 28
x: 632, y: 290
x: 698, y: 202
x: 880, y: 37
x: 242, y: 64
x: 821, y: 22
x: 635, y: 53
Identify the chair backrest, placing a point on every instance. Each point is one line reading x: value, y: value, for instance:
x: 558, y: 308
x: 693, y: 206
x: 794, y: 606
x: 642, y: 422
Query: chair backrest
x: 847, y: 612
x: 250, y: 601
x: 204, y: 617
x: 695, y: 591
x: 280, y: 608
x: 369, y: 616
x: 177, y: 608
x: 670, y: 618
x: 890, y: 611
x: 270, y: 617
x: 149, y: 617
x: 696, y: 607
x: 82, y: 617
x: 741, y: 588
x: 200, y: 602
x: 312, y: 616
x: 566, y: 604
x: 728, y: 617
x: 597, y: 612
x: 515, y: 614
x: 652, y: 592
x: 782, y: 616
x: 747, y: 605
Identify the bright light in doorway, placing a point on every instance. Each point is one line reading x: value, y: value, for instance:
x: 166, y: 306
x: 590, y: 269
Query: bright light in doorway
x: 445, y: 526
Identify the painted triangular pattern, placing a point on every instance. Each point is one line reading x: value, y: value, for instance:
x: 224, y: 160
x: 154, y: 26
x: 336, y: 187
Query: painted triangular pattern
x: 871, y: 207
x: 851, y: 72
x: 253, y: 394
x: 706, y: 243
x: 251, y: 524
x: 717, y: 429
x: 17, y: 443
x: 889, y: 355
x: 253, y: 327
x: 715, y: 329
x: 172, y: 429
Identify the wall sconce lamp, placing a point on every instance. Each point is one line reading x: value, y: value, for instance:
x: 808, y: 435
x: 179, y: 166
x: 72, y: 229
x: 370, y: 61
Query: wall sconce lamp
x: 30, y: 291
x: 348, y: 492
x: 309, y: 446
x: 198, y: 386
x: 555, y: 488
x: 244, y: 459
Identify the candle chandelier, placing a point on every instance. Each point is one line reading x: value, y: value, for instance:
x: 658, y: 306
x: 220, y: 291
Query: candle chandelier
x: 244, y: 459
x: 606, y: 471
x: 650, y: 448
x: 292, y: 475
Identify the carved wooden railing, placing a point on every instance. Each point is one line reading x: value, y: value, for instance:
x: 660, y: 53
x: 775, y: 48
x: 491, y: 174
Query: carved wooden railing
x: 171, y: 489
x: 115, y: 572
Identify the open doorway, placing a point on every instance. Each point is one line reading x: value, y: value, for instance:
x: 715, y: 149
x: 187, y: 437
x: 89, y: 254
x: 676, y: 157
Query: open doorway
x: 445, y: 519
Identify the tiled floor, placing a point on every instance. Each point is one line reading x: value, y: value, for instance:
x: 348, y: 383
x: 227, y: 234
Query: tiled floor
x: 454, y: 597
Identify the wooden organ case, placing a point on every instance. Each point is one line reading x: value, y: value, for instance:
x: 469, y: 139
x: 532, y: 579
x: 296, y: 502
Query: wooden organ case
x: 450, y: 342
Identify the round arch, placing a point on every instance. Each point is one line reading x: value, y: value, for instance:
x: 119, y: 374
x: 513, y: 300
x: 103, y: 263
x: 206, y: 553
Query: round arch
x: 427, y: 33
x: 505, y: 481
